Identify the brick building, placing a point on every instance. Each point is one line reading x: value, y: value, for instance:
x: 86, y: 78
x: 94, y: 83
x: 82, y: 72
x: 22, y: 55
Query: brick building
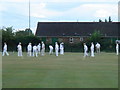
x: 74, y: 32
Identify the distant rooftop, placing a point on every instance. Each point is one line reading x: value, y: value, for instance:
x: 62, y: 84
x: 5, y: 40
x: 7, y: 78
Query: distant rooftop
x: 58, y: 29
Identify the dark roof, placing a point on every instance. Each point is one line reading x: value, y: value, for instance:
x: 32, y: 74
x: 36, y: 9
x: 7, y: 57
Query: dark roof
x: 54, y: 29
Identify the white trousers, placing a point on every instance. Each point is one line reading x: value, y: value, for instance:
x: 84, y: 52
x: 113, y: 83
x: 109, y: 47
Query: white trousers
x: 85, y: 53
x: 56, y: 52
x: 117, y: 51
x: 19, y: 53
x: 97, y: 50
x: 29, y: 53
x: 5, y: 52
x: 39, y: 51
x: 35, y: 53
x: 43, y: 52
x: 62, y: 51
x: 92, y: 53
x: 51, y: 51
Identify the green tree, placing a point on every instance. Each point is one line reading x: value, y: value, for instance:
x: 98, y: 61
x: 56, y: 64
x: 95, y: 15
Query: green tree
x: 8, y: 36
x: 105, y: 20
x: 95, y: 36
x: 100, y: 20
x: 20, y: 33
x: 25, y: 40
x: 27, y: 32
x: 110, y: 19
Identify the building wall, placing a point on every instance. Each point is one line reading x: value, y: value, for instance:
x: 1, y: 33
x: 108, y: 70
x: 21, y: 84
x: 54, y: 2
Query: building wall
x: 107, y: 43
x: 67, y: 40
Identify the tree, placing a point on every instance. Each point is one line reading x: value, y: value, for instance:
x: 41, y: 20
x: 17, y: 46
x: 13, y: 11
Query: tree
x: 8, y: 36
x: 100, y: 20
x: 26, y: 39
x: 95, y: 36
x: 110, y: 19
x: 20, y: 33
x: 105, y: 20
x: 12, y: 39
x: 27, y: 32
x: 8, y: 31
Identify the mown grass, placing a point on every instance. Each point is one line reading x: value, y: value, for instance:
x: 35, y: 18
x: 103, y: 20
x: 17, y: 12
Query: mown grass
x: 71, y: 70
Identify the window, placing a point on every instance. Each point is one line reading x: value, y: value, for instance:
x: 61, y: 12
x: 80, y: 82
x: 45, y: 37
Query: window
x: 71, y: 40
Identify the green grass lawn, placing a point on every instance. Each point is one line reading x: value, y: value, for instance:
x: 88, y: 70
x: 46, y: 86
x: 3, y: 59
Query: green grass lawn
x: 71, y: 70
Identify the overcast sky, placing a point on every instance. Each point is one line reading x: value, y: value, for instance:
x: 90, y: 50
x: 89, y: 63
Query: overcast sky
x: 15, y: 12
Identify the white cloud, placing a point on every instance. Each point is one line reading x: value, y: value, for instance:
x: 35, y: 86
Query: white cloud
x: 37, y: 15
x: 94, y: 10
x: 81, y: 0
x: 14, y: 1
x: 102, y: 13
x: 61, y: 0
x: 2, y: 7
x: 39, y: 10
x: 42, y: 5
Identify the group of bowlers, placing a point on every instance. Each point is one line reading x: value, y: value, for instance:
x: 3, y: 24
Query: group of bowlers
x: 40, y: 49
x: 97, y: 49
x: 36, y: 50
x: 91, y: 49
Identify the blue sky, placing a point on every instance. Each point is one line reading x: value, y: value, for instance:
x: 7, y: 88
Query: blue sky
x: 15, y: 12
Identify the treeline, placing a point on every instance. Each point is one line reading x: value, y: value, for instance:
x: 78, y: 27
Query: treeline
x: 12, y: 38
x: 109, y: 20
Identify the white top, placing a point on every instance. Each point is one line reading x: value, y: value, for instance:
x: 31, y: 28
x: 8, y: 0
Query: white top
x: 85, y: 47
x: 29, y: 47
x: 61, y: 46
x: 38, y: 46
x: 97, y: 45
x: 56, y: 46
x: 117, y: 46
x: 92, y: 47
x: 5, y: 47
x: 19, y: 47
x: 34, y: 48
x: 51, y: 47
x: 43, y: 45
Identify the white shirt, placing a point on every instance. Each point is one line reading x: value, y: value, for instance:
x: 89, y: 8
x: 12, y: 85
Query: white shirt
x: 29, y: 47
x: 61, y: 46
x: 43, y: 45
x: 51, y: 47
x: 117, y: 46
x: 38, y: 46
x: 85, y: 47
x: 56, y: 47
x: 19, y: 47
x: 5, y: 47
x: 34, y: 48
x: 92, y: 47
x: 97, y: 45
